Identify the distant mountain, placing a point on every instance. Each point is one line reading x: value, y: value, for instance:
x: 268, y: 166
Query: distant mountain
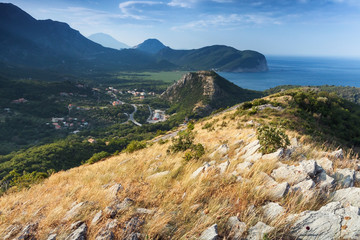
x: 27, y: 42
x: 217, y: 57
x: 151, y: 46
x: 202, y: 92
x: 107, y: 41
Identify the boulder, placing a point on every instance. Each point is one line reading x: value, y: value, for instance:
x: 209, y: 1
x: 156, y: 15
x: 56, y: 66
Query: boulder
x: 200, y: 170
x: 310, y: 167
x: 244, y: 167
x: 79, y: 233
x: 275, y: 155
x: 250, y: 149
x: 324, y: 181
x: 115, y: 189
x: 290, y: 174
x: 144, y: 211
x: 304, y: 186
x: 52, y: 236
x: 325, y: 164
x: 348, y: 196
x: 221, y: 151
x: 278, y: 191
x: 272, y: 210
x: 339, y: 154
x: 236, y: 227
x: 345, y: 177
x: 332, y: 221
x: 132, y: 228
x: 110, y: 212
x: 223, y: 166
x: 12, y: 230
x: 125, y: 204
x: 258, y: 231
x: 210, y: 234
x: 107, y: 232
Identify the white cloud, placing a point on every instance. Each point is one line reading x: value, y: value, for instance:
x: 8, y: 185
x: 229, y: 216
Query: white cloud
x: 182, y: 3
x: 232, y: 20
x: 128, y: 8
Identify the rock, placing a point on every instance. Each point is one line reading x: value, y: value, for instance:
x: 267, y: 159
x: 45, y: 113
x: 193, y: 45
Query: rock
x: 268, y: 105
x: 158, y: 175
x: 144, y: 211
x: 79, y: 233
x: 110, y: 212
x: 243, y: 167
x: 74, y: 211
x: 210, y: 234
x: 324, y: 181
x: 115, y: 189
x: 96, y: 218
x: 345, y: 177
x: 236, y: 227
x: 52, y: 236
x: 253, y: 158
x: 278, y: 191
x: 348, y: 196
x: 107, y: 232
x: 339, y: 154
x: 223, y: 166
x: 272, y: 210
x: 221, y: 151
x: 258, y: 231
x: 290, y: 174
x: 238, y: 143
x: 332, y: 221
x: 200, y: 170
x: 294, y: 142
x: 125, y: 204
x: 304, y: 186
x: 132, y: 228
x: 326, y: 164
x: 250, y: 149
x: 275, y: 155
x: 310, y: 167
x: 357, y: 177
x: 28, y: 233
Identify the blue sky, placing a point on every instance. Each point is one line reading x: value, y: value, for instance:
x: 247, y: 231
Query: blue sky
x: 273, y: 27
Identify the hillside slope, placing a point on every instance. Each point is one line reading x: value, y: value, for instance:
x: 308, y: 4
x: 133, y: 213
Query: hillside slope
x: 203, y: 92
x: 231, y: 188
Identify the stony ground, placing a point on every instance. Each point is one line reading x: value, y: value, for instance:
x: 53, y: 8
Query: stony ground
x: 233, y: 192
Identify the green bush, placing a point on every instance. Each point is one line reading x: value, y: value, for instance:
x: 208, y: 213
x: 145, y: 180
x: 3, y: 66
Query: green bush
x: 271, y: 139
x: 182, y: 142
x: 97, y: 157
x: 135, y: 145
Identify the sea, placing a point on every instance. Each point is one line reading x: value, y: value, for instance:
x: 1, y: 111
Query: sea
x: 304, y: 71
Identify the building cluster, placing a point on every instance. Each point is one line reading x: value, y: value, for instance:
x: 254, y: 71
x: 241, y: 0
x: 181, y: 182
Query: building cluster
x: 20, y: 100
x: 68, y: 123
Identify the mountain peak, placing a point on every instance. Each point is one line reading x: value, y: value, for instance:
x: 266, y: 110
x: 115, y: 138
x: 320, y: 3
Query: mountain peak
x: 107, y: 40
x: 150, y: 45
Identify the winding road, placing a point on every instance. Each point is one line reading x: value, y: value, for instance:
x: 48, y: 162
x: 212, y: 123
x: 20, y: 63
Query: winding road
x: 131, y: 117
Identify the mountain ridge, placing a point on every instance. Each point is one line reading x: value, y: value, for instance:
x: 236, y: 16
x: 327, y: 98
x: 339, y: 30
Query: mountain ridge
x: 107, y: 40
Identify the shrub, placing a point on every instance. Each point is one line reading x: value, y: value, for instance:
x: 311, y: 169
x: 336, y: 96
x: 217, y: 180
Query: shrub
x: 271, y: 139
x: 135, y: 145
x: 182, y: 142
x: 97, y: 157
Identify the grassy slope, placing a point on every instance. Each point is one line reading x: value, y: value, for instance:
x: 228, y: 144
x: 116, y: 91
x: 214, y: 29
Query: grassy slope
x: 209, y: 199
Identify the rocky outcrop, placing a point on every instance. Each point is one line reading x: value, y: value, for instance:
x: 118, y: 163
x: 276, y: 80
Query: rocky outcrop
x: 210, y: 234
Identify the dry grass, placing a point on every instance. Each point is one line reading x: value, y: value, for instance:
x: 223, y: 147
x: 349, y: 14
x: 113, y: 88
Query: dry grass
x: 183, y: 207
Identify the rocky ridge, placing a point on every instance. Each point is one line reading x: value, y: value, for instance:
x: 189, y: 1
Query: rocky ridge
x: 233, y: 191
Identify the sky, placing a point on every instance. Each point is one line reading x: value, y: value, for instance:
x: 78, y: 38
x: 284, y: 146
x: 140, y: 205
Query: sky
x: 272, y: 27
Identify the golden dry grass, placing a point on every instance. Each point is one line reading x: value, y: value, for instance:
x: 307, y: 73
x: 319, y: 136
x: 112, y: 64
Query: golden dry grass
x: 183, y: 207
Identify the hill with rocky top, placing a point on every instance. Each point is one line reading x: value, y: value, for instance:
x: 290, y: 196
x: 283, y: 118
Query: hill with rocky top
x: 202, y: 92
x: 260, y: 171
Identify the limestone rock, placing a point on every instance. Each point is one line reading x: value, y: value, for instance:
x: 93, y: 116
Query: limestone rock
x: 132, y: 228
x: 221, y: 151
x: 115, y: 189
x: 158, y: 175
x: 325, y: 164
x: 79, y: 233
x: 332, y: 221
x: 272, y: 210
x: 125, y: 204
x: 110, y: 212
x: 345, y: 177
x: 144, y: 211
x: 357, y: 177
x: 278, y: 191
x: 223, y: 166
x: 74, y: 211
x: 243, y: 167
x: 236, y: 227
x: 210, y: 234
x: 200, y: 170
x: 96, y: 218
x: 107, y: 233
x: 12, y: 231
x: 310, y: 167
x: 258, y: 231
x: 28, y: 233
x: 348, y: 196
x: 250, y: 149
x: 339, y: 154
x: 290, y: 174
x: 324, y: 181
x: 274, y: 155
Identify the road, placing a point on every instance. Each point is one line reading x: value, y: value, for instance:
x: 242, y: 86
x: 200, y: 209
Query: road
x: 131, y: 117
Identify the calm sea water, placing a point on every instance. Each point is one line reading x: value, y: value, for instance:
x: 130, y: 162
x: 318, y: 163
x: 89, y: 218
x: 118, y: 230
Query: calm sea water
x: 300, y: 71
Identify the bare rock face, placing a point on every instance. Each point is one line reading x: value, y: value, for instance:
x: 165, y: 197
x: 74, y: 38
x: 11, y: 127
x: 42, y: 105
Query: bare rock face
x: 28, y: 233
x: 79, y: 233
x: 258, y: 231
x: 345, y: 177
x: 236, y: 227
x: 348, y: 196
x: 332, y: 221
x: 210, y: 234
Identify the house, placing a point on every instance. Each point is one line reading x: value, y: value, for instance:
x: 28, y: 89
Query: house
x: 91, y: 140
x: 20, y: 100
